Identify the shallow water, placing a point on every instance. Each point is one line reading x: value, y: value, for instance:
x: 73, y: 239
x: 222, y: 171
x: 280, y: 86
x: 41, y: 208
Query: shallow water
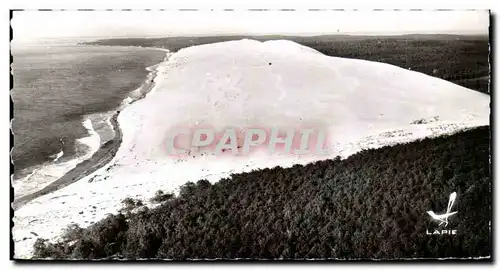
x: 58, y: 88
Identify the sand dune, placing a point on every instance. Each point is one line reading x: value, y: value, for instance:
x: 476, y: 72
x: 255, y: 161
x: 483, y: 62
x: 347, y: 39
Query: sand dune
x: 247, y: 83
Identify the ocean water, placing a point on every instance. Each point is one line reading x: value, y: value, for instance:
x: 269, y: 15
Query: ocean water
x: 62, y: 95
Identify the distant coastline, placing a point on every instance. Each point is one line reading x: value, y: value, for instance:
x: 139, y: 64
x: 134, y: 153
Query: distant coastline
x: 437, y: 55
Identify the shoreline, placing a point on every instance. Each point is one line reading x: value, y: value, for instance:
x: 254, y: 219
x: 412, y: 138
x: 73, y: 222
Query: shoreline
x: 106, y: 151
x: 49, y: 171
x: 139, y: 173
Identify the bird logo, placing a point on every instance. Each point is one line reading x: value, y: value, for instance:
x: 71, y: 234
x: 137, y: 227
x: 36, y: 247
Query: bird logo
x: 443, y: 218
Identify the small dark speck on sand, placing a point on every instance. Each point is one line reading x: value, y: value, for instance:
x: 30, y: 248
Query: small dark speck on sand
x: 81, y: 212
x: 270, y: 63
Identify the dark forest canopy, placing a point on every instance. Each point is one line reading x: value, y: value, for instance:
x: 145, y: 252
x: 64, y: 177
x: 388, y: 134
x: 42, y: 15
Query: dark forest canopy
x: 371, y: 205
x: 463, y: 60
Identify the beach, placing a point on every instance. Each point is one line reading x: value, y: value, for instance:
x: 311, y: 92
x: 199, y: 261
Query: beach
x: 65, y: 96
x: 225, y: 84
x: 103, y: 155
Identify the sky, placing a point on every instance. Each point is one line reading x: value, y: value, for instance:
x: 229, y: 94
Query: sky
x: 35, y: 25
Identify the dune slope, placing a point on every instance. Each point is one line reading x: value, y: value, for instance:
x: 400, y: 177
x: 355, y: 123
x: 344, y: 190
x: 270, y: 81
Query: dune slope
x: 247, y: 83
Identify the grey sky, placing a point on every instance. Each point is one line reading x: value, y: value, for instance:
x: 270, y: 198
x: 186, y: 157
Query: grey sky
x: 33, y: 25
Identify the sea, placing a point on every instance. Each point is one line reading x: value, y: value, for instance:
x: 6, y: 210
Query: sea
x: 63, y: 97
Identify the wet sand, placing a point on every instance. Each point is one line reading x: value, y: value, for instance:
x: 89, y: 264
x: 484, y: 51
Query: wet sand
x: 100, y: 158
x: 103, y: 156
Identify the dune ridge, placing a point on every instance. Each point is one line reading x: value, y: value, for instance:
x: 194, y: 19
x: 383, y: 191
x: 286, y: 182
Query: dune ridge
x: 245, y: 83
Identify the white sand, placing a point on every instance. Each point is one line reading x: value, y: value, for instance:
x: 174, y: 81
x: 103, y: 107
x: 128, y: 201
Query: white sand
x: 362, y: 104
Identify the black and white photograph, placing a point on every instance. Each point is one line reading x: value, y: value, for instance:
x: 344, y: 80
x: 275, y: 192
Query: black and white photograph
x: 237, y: 134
